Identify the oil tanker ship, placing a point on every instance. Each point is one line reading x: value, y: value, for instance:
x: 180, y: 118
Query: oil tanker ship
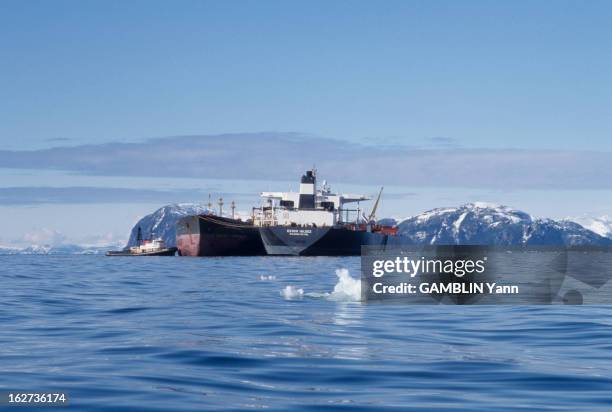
x: 210, y: 235
x: 311, y: 222
x: 317, y: 222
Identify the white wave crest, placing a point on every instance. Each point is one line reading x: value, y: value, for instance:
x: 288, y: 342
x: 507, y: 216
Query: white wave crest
x: 291, y: 292
x: 347, y: 288
x: 267, y: 277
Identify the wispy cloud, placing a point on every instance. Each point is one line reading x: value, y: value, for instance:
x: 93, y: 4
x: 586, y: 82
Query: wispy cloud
x: 283, y: 156
x: 60, y: 195
x: 44, y: 236
x: 442, y: 141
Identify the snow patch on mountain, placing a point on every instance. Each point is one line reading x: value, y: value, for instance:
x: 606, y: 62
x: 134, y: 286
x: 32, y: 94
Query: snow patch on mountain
x: 601, y: 225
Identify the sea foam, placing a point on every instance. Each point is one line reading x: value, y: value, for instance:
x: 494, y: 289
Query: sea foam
x: 291, y: 292
x: 347, y: 289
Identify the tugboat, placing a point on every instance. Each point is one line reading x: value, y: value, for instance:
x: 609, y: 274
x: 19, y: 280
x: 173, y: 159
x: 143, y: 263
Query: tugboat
x: 317, y: 223
x: 149, y: 247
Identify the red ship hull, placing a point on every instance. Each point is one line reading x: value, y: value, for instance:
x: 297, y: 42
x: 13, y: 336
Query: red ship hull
x: 208, y: 235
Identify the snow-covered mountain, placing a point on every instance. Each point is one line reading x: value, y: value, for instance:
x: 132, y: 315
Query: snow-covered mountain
x: 473, y: 223
x: 387, y: 221
x: 485, y: 224
x: 162, y: 222
x: 600, y: 225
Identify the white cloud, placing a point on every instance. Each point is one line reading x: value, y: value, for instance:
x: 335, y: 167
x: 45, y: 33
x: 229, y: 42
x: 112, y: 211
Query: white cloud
x: 29, y: 195
x: 53, y: 238
x: 44, y: 237
x: 277, y: 156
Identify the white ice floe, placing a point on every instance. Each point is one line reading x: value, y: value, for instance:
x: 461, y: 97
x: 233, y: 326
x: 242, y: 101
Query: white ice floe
x: 347, y: 289
x: 291, y: 292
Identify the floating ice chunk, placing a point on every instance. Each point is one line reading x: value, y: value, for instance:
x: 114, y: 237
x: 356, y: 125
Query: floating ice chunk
x: 291, y: 292
x: 347, y: 288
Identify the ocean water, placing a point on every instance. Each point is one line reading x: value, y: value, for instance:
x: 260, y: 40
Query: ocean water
x: 281, y: 334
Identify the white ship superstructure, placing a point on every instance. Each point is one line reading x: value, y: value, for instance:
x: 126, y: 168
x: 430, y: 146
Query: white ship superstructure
x: 308, y: 207
x: 148, y: 246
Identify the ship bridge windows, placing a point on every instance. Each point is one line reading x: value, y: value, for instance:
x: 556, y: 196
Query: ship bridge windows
x: 287, y: 203
x: 328, y: 206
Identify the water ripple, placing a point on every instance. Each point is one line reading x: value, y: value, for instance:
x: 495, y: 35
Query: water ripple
x: 216, y: 334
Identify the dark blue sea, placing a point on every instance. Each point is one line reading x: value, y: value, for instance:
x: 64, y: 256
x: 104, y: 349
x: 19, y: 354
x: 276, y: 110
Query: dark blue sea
x: 278, y: 334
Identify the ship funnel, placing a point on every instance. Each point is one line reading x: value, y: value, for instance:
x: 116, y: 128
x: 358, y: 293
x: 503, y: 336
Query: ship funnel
x: 308, y: 189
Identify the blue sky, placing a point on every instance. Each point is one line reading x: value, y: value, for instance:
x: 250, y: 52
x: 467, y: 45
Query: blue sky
x: 524, y: 73
x: 521, y: 84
